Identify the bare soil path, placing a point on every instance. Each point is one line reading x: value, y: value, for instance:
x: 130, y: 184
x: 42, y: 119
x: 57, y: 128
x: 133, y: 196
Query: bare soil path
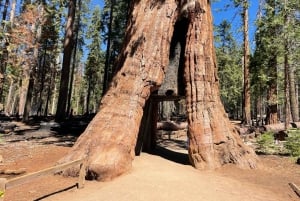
x: 164, y: 175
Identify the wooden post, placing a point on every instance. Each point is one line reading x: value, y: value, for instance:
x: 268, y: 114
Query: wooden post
x: 144, y: 133
x: 153, y: 123
x: 82, y: 172
x: 2, y: 188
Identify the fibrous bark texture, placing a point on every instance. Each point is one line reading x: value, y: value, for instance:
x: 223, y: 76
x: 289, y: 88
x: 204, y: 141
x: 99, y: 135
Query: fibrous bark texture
x: 109, y: 140
x: 213, y: 141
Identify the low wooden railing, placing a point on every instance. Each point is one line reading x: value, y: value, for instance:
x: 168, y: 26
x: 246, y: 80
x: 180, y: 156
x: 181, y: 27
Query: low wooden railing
x: 7, y: 184
x: 295, y: 188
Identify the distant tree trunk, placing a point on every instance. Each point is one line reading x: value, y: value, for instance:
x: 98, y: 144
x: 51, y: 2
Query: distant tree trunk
x: 10, y: 97
x: 246, y: 103
x: 36, y: 29
x: 76, y: 30
x: 27, y: 106
x: 107, y: 69
x: 42, y: 75
x: 293, y: 94
x: 12, y: 11
x: 109, y: 140
x: 292, y: 85
x: 88, y: 97
x: 65, y: 71
x: 5, y: 9
x: 287, y: 89
x: 23, y: 88
x: 50, y: 90
x: 4, y: 55
x: 53, y: 101
x: 272, y: 108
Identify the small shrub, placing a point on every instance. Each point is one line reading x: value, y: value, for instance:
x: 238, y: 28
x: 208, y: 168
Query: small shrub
x: 292, y: 143
x: 266, y: 143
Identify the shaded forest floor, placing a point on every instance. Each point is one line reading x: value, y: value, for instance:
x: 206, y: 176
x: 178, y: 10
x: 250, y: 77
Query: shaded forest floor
x: 163, y: 175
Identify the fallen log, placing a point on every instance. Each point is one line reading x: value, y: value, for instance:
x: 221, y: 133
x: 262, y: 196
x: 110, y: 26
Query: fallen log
x: 274, y: 127
x: 171, y: 125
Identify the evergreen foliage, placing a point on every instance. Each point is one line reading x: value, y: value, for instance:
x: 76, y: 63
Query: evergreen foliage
x: 229, y: 69
x: 94, y: 69
x: 114, y: 21
x: 266, y: 143
x: 33, y: 42
x: 292, y: 143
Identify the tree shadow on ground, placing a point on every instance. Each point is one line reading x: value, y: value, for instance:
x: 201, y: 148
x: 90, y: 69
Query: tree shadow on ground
x: 54, y: 193
x: 171, y: 155
x: 172, y: 149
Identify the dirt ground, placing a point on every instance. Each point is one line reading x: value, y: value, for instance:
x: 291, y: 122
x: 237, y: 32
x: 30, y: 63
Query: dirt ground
x: 164, y: 175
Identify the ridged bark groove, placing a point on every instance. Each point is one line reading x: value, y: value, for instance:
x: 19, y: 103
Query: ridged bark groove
x: 213, y: 141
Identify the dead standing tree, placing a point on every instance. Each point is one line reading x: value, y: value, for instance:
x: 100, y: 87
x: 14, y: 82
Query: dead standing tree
x: 110, y: 139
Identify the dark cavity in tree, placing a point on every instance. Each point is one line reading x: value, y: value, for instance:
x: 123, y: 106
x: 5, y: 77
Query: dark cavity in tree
x: 174, y: 83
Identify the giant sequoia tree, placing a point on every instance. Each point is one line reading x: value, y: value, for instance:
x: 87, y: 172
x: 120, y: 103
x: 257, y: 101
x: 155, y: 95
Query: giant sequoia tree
x: 109, y: 140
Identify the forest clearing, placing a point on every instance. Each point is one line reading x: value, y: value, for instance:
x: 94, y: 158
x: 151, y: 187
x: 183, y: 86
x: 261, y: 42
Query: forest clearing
x: 165, y: 174
x: 86, y: 90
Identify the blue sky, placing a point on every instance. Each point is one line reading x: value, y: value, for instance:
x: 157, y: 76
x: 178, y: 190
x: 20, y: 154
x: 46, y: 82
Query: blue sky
x: 233, y: 16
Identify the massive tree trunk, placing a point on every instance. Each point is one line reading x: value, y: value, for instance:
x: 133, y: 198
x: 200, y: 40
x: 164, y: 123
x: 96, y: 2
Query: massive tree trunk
x: 109, y: 140
x: 213, y: 141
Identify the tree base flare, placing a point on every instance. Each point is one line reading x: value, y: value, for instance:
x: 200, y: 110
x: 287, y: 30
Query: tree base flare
x: 231, y: 151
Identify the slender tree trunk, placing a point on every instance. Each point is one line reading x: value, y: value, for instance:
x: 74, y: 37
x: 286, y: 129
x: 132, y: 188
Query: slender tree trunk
x: 42, y: 75
x: 246, y: 104
x: 27, y: 107
x: 10, y: 97
x: 272, y: 107
x: 109, y: 140
x: 290, y: 69
x: 286, y: 92
x: 287, y: 82
x: 12, y: 11
x: 24, y: 82
x: 49, y: 91
x: 293, y: 96
x: 5, y: 9
x: 68, y: 47
x: 4, y: 56
x: 76, y: 31
x: 107, y: 69
x: 88, y: 97
x: 272, y: 110
x: 33, y: 64
x: 54, y: 104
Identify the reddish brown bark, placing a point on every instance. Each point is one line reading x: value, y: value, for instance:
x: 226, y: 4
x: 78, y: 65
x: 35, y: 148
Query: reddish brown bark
x: 213, y: 141
x: 110, y: 138
x: 272, y: 110
x: 246, y: 101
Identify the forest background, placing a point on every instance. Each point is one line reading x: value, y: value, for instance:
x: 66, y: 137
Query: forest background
x: 58, y: 57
